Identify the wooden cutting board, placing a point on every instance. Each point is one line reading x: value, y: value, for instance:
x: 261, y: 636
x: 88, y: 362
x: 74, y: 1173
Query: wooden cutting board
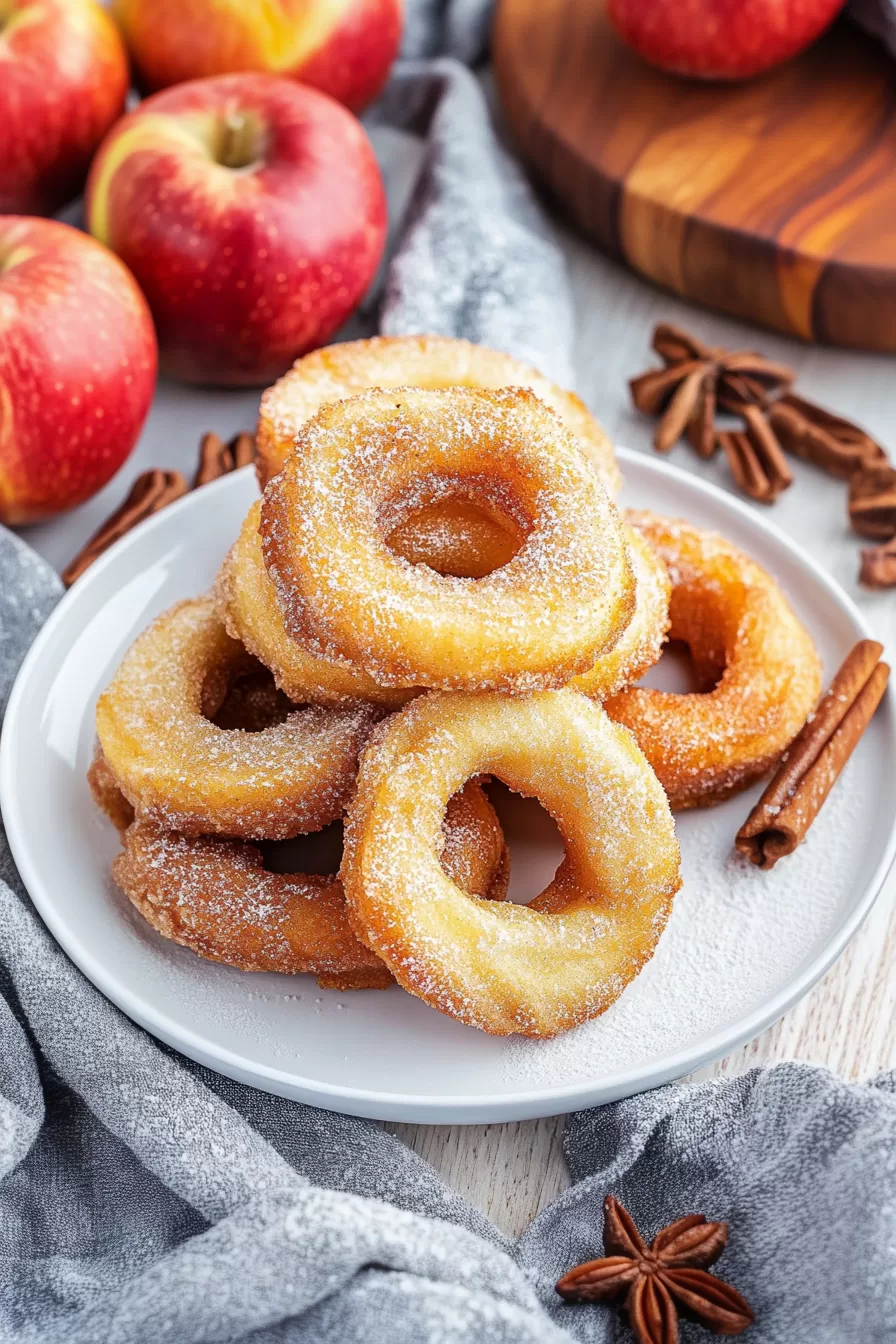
x: 773, y: 200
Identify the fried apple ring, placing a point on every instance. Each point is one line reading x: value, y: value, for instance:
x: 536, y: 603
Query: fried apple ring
x: 642, y: 641
x: 178, y: 768
x: 433, y: 362
x: 247, y: 603
x: 215, y: 896
x: 251, y: 702
x: 559, y: 603
x: 744, y: 636
x: 538, y: 969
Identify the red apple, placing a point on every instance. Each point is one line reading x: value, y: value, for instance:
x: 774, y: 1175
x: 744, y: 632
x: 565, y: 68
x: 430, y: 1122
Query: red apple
x: 77, y: 367
x: 343, y: 47
x: 63, y: 81
x: 252, y: 213
x: 721, y: 39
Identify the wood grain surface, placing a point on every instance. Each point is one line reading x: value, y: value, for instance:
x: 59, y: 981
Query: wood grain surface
x: 773, y: 200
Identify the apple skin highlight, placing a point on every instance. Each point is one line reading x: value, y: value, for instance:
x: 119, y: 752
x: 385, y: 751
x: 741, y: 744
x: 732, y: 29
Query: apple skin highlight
x: 77, y: 367
x: 252, y: 213
x: 720, y: 39
x: 63, y: 81
x: 341, y: 47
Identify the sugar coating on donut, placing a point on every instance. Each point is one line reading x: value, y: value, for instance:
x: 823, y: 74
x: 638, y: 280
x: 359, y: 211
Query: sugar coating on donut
x: 566, y: 957
x: 106, y: 792
x: 433, y: 362
x: 562, y: 600
x: 178, y: 768
x: 641, y: 643
x: 216, y: 897
x: 247, y: 603
x: 747, y: 644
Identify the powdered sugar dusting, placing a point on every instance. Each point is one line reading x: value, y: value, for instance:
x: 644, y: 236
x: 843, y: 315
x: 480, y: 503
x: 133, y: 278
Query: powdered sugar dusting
x: 736, y: 935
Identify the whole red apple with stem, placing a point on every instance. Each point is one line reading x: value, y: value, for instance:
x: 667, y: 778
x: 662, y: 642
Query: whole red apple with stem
x: 77, y: 367
x: 252, y: 213
x: 63, y: 81
x: 342, y: 47
x: 720, y: 39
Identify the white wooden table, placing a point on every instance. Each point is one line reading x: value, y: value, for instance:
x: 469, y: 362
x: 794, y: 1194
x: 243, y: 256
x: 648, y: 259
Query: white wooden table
x: 849, y: 1021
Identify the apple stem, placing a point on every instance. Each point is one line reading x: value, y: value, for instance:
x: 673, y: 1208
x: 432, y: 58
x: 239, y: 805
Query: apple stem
x: 238, y: 146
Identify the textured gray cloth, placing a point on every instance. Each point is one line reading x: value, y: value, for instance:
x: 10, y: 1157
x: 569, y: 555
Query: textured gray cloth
x: 475, y: 256
x: 144, y: 1199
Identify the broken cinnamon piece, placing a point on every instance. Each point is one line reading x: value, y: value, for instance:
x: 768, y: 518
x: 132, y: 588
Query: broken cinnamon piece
x: 674, y: 345
x: 810, y: 768
x: 872, y: 501
x: 217, y: 458
x: 878, y: 569
x: 242, y: 449
x: 152, y: 491
x: 830, y: 442
x: 754, y: 455
x: 702, y: 426
x: 683, y: 406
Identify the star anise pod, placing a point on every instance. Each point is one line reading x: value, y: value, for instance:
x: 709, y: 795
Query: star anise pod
x: 697, y: 379
x: 661, y: 1280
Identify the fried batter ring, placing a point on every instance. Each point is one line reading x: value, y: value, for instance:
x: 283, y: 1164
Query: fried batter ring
x: 247, y: 603
x: 340, y: 371
x: 537, y: 969
x: 216, y: 897
x: 641, y: 643
x: 179, y: 769
x: 562, y: 600
x: 744, y: 636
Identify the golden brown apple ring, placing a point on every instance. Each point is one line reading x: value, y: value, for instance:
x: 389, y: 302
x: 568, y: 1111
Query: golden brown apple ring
x: 742, y: 633
x: 247, y: 603
x: 538, y: 969
x: 178, y: 768
x: 216, y: 897
x: 641, y: 642
x: 434, y: 362
x: 107, y: 793
x: 251, y: 702
x: 559, y: 603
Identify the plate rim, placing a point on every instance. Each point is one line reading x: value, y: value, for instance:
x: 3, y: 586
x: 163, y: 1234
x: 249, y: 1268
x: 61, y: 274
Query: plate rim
x: 534, y: 1103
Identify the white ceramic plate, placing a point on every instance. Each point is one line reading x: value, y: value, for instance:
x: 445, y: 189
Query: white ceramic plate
x: 741, y: 947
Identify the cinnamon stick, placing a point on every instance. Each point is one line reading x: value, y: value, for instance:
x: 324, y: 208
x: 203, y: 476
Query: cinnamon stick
x: 794, y: 797
x: 878, y: 569
x: 872, y: 501
x: 217, y: 458
x: 151, y: 491
x: 829, y: 441
x: 754, y: 455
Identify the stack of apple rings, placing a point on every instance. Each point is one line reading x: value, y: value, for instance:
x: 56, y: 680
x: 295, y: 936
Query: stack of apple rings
x: 436, y: 589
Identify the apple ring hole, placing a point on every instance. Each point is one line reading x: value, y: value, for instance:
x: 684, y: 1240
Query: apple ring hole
x: 464, y: 528
x: 245, y: 699
x: 534, y: 841
x: 318, y: 854
x: 678, y: 672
